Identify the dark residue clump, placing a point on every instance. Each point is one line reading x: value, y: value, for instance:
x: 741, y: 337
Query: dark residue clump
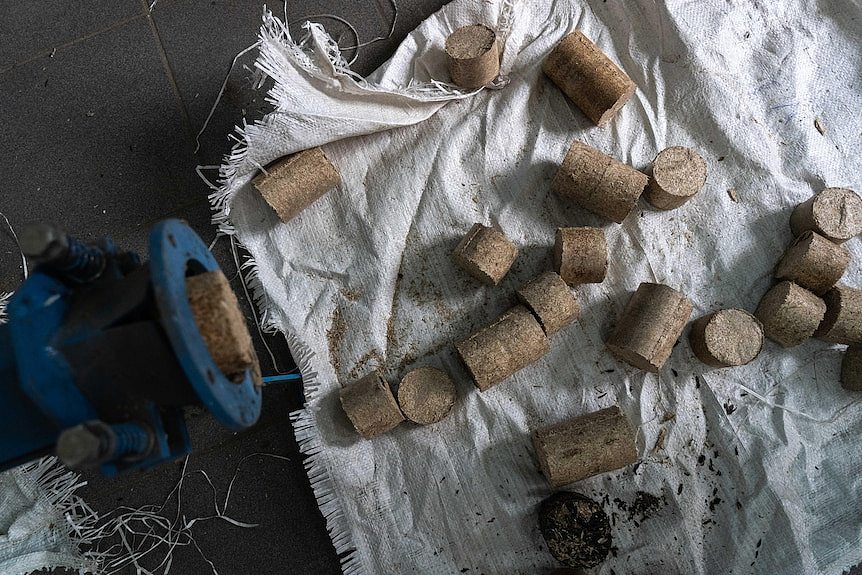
x: 576, y: 529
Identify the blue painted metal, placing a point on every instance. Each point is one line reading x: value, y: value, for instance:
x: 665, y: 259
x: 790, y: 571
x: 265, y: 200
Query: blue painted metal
x: 84, y: 263
x: 285, y: 377
x: 175, y: 251
x: 132, y: 439
x: 58, y: 331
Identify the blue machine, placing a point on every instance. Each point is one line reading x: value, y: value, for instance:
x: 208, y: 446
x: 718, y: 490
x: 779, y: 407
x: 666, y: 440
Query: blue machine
x: 101, y: 354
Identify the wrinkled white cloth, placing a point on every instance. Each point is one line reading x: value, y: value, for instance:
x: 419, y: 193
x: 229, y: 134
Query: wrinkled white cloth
x: 757, y: 468
x: 42, y: 522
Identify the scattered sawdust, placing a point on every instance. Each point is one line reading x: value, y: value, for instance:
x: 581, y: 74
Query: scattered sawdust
x: 334, y: 337
x: 659, y: 442
x: 733, y: 195
x: 645, y: 504
x: 372, y: 357
x: 819, y: 126
x: 391, y: 336
x: 350, y: 295
x: 408, y: 359
x: 445, y: 312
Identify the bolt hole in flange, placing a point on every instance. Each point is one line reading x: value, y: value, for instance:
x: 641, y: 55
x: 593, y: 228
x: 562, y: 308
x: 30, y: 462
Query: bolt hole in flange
x: 193, y: 268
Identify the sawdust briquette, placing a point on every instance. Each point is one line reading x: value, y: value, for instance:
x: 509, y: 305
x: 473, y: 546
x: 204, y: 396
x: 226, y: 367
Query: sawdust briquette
x: 473, y: 55
x: 789, y: 313
x: 581, y: 255
x: 486, y: 254
x: 511, y: 343
x: 426, y: 395
x: 585, y: 446
x: 296, y: 181
x: 222, y: 325
x: 370, y: 405
x: 842, y: 322
x: 677, y: 175
x: 588, y: 77
x: 598, y: 183
x: 834, y: 213
x: 551, y: 301
x: 649, y: 327
x: 813, y: 262
x: 726, y: 338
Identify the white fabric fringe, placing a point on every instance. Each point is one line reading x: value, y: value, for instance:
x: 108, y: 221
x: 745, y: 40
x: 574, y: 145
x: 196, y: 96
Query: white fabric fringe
x: 44, y: 523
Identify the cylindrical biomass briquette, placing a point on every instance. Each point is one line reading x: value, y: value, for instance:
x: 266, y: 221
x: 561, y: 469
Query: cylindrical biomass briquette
x: 473, y: 55
x: 649, y: 327
x: 598, y: 183
x: 551, y: 301
x: 509, y: 344
x: 222, y: 325
x: 588, y: 77
x: 370, y: 405
x: 726, y: 338
x: 851, y: 368
x: 813, y: 262
x: 677, y: 175
x: 581, y: 255
x: 789, y: 313
x: 585, y: 446
x: 486, y: 254
x: 426, y: 395
x: 842, y: 322
x: 294, y: 182
x: 834, y: 213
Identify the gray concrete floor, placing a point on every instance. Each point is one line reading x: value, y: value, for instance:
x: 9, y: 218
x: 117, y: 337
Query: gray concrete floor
x: 102, y: 101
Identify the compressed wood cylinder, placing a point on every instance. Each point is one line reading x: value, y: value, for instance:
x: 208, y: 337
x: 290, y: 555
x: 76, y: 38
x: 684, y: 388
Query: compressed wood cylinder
x: 588, y: 77
x: 851, y: 368
x: 551, y: 301
x: 581, y: 255
x: 726, y: 338
x: 509, y: 344
x: 222, y: 325
x: 370, y: 405
x: 598, y: 183
x: 650, y: 325
x: 486, y: 254
x: 473, y: 54
x: 842, y: 322
x: 813, y: 262
x: 585, y: 446
x: 677, y: 175
x: 426, y: 395
x: 834, y: 213
x: 294, y: 182
x: 789, y: 313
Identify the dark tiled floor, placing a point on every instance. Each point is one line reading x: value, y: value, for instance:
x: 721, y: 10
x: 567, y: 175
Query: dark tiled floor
x: 103, y: 101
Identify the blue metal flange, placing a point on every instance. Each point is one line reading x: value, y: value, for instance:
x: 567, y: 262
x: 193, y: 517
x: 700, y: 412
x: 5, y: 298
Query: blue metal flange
x: 175, y: 253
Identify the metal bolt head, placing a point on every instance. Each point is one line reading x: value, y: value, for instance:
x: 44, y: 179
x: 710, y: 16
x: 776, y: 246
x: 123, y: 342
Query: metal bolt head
x: 42, y: 242
x: 79, y: 446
